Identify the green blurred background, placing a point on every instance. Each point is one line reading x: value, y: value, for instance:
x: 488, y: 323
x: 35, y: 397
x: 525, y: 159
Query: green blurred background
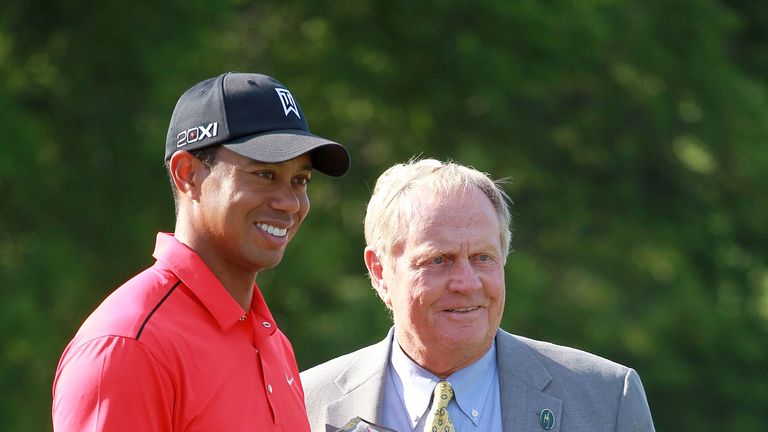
x: 633, y: 134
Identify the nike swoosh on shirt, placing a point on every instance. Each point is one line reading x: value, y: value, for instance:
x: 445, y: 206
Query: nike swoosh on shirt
x: 290, y: 380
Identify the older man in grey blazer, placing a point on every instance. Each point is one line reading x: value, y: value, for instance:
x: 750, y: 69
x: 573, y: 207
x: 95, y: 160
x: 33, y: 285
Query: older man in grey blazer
x: 437, y: 239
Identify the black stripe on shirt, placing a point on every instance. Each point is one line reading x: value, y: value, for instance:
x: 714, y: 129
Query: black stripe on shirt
x: 138, y: 335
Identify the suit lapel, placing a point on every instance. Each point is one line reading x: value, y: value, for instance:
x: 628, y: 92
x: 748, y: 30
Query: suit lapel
x: 522, y: 380
x: 361, y: 386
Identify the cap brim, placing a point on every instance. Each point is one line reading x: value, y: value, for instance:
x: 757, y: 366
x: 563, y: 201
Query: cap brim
x: 328, y: 157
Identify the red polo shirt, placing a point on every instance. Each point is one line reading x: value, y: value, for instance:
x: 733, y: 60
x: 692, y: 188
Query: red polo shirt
x: 171, y: 350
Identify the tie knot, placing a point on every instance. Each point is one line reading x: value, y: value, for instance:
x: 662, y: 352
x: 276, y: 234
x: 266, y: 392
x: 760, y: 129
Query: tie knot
x: 443, y: 393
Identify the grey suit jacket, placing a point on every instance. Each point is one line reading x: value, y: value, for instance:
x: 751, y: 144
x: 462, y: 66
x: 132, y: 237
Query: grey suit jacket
x: 585, y: 392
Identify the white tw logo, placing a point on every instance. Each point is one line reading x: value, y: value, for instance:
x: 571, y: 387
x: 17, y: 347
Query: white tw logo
x: 196, y: 134
x: 288, y: 103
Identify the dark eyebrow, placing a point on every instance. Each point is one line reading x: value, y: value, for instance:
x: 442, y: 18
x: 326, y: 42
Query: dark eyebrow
x: 259, y: 164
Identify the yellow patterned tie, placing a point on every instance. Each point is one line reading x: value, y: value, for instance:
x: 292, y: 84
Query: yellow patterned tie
x: 438, y: 420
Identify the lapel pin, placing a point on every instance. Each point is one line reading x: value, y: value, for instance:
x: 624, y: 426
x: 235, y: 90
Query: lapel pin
x: 547, y: 419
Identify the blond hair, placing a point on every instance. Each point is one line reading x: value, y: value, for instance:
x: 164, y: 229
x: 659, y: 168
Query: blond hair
x: 385, y: 218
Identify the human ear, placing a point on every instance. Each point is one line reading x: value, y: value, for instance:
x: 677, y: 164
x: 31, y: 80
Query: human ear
x: 187, y: 173
x: 375, y: 272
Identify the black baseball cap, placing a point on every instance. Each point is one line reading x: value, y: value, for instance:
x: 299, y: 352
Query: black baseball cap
x: 253, y: 115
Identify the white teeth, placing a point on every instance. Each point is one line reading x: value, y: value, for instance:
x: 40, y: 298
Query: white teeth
x: 467, y: 309
x: 275, y: 231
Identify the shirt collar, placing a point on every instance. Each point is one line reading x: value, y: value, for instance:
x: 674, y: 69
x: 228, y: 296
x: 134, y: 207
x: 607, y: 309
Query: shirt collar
x: 417, y: 383
x: 471, y: 384
x: 195, y: 274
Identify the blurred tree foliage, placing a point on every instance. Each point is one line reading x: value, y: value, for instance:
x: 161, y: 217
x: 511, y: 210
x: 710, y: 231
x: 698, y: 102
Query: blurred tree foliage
x: 633, y: 134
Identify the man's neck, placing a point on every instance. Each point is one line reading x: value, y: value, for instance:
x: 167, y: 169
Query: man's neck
x: 236, y: 281
x: 442, y: 363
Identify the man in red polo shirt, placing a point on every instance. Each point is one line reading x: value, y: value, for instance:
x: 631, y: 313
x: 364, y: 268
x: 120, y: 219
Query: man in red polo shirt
x: 189, y: 344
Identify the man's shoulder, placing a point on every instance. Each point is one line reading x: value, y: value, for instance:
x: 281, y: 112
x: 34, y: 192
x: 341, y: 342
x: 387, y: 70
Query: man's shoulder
x: 331, y: 369
x: 330, y: 381
x: 126, y: 310
x: 563, y: 362
x: 349, y: 370
x: 582, y: 380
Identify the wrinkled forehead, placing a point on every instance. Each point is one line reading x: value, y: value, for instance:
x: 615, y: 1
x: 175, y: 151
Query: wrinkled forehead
x: 429, y: 217
x: 425, y: 204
